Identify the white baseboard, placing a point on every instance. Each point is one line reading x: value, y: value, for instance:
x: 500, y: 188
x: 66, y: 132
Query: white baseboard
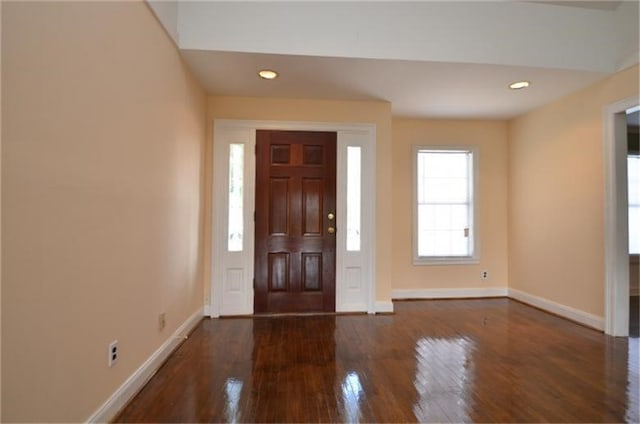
x: 573, y: 314
x: 449, y: 293
x: 207, y: 311
x: 351, y: 307
x: 384, y: 307
x: 139, y: 378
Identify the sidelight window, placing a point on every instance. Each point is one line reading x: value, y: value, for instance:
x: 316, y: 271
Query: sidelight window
x: 353, y: 197
x: 236, y: 197
x: 445, y: 205
x: 633, y: 171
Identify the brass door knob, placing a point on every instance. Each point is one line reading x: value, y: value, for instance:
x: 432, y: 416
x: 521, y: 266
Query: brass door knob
x: 331, y: 230
x: 331, y: 216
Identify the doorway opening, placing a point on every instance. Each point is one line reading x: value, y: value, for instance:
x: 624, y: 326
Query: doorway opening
x: 233, y: 236
x: 616, y: 208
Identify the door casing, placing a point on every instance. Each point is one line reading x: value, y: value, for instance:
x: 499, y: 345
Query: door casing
x: 231, y: 284
x: 616, y: 230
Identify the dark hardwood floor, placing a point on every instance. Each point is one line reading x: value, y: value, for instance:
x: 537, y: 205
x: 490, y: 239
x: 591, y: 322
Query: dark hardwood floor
x: 489, y: 360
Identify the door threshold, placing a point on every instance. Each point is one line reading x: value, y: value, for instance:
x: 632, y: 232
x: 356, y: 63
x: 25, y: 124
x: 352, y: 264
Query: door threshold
x: 293, y: 314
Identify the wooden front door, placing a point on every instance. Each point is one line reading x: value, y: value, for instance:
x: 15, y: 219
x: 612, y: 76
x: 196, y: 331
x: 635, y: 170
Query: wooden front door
x: 295, y: 221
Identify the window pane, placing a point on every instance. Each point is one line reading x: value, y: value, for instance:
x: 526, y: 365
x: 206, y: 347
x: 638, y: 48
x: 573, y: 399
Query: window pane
x: 445, y: 164
x: 460, y: 218
x: 443, y: 217
x: 446, y: 190
x: 459, y: 244
x: 443, y: 177
x: 441, y: 230
x: 236, y: 170
x: 353, y: 197
x: 634, y: 229
x: 443, y: 243
x: 633, y: 171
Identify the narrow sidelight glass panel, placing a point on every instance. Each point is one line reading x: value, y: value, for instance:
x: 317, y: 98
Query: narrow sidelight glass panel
x: 633, y: 170
x: 236, y: 189
x: 354, y: 166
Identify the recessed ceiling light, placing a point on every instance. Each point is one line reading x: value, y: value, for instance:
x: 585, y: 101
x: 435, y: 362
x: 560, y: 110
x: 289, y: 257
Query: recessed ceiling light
x: 518, y: 85
x: 268, y: 74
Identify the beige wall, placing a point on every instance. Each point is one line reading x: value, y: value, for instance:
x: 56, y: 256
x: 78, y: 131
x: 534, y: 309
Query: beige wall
x: 491, y: 139
x: 101, y: 179
x: 107, y: 141
x: 556, y: 195
x: 378, y: 113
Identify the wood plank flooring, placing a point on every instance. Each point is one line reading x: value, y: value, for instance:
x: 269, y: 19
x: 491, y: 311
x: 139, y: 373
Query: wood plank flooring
x: 488, y: 360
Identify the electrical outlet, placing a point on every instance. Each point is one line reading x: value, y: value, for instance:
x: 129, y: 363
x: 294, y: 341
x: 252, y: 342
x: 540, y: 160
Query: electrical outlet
x: 162, y: 321
x: 113, y: 353
x: 485, y: 275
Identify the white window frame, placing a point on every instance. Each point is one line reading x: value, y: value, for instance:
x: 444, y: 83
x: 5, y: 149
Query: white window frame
x: 474, y: 230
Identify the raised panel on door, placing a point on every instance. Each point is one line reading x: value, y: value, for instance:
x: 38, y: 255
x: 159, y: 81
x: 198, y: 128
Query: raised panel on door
x: 312, y: 271
x: 312, y: 196
x: 278, y: 271
x: 278, y: 206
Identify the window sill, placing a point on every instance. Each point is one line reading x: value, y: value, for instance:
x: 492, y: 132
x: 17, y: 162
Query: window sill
x: 446, y: 261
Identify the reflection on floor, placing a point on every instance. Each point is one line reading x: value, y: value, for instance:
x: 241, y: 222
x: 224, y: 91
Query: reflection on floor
x: 489, y: 360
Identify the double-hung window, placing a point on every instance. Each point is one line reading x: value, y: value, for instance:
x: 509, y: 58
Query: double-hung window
x: 445, y: 202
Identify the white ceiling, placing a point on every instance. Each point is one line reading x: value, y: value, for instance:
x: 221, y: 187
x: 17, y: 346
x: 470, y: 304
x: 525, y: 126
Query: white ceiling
x: 428, y: 59
x: 588, y: 4
x: 415, y: 89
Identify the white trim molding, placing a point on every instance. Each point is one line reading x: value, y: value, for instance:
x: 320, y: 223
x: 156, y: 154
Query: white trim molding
x: 142, y: 375
x: 616, y: 231
x: 450, y: 293
x: 384, y: 307
x: 565, y: 311
x: 232, y: 277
